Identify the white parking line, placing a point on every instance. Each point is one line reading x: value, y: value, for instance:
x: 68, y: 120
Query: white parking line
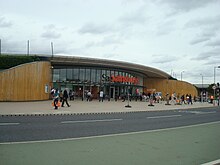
x: 4, y: 124
x: 157, y: 117
x: 90, y: 121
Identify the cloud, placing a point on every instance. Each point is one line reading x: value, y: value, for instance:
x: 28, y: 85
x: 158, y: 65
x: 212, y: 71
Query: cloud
x: 166, y: 27
x: 186, y: 5
x: 51, y: 32
x: 213, y: 62
x: 207, y: 27
x: 211, y: 55
x: 137, y: 17
x: 11, y: 46
x: 213, y: 43
x: 199, y: 40
x: 161, y: 59
x: 106, y: 41
x: 205, y: 22
x: 92, y: 28
x: 4, y: 23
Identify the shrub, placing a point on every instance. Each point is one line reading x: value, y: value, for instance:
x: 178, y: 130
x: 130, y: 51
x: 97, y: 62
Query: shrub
x: 8, y: 61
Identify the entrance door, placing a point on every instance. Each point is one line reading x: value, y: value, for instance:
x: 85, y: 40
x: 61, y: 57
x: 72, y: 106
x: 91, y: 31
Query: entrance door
x: 112, y: 92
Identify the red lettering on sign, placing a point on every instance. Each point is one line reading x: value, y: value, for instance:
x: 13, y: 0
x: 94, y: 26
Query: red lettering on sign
x: 123, y: 79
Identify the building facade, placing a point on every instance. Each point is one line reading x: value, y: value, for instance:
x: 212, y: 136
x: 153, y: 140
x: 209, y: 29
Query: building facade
x: 78, y: 74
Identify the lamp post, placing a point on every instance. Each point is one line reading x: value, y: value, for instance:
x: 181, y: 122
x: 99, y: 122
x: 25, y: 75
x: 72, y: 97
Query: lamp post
x: 182, y: 75
x: 0, y: 47
x: 214, y: 79
x: 28, y: 47
x: 52, y: 49
x: 202, y: 89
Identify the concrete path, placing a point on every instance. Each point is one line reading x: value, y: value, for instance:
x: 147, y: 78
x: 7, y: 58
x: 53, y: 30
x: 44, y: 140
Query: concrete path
x: 77, y: 106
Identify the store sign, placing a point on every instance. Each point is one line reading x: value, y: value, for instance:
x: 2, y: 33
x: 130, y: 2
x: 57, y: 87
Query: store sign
x: 121, y: 79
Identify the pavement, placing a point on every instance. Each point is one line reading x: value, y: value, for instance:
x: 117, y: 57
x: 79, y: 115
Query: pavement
x: 91, y: 107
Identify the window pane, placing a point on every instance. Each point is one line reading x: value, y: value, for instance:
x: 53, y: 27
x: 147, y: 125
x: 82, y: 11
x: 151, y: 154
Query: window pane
x: 76, y: 74
x: 112, y: 73
x: 103, y: 72
x: 108, y: 73
x: 69, y: 75
x: 87, y: 75
x: 93, y: 75
x: 98, y: 76
x: 82, y: 74
x: 62, y: 74
x: 56, y: 75
x: 116, y: 73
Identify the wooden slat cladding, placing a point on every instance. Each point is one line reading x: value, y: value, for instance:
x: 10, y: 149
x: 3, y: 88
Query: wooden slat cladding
x: 25, y: 82
x: 170, y: 86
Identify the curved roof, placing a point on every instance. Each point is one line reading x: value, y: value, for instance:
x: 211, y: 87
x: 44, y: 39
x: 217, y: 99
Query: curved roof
x: 83, y: 61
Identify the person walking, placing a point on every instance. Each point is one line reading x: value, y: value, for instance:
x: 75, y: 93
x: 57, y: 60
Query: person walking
x: 101, y: 96
x: 65, y: 97
x: 56, y: 99
x: 190, y: 99
x: 173, y: 98
x: 61, y: 96
x: 89, y: 96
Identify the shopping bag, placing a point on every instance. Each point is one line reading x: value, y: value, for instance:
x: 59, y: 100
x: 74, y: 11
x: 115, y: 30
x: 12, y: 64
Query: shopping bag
x: 58, y: 104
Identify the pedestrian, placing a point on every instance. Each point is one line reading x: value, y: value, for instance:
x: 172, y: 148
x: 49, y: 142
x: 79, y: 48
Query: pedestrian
x: 71, y: 94
x: 123, y: 97
x: 61, y: 96
x: 173, y: 98
x: 101, y: 95
x: 65, y: 98
x: 89, y: 96
x: 187, y: 98
x: 167, y: 99
x: 190, y: 99
x: 56, y: 99
x: 52, y: 92
x: 183, y: 99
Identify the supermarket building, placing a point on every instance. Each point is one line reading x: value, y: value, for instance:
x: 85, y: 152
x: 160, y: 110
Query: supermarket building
x: 33, y: 81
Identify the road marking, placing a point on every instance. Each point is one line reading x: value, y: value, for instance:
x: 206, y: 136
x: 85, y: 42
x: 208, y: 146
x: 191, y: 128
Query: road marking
x: 157, y: 117
x: 90, y: 121
x: 212, y: 163
x: 198, y: 112
x: 3, y: 124
x: 204, y: 113
x: 111, y: 135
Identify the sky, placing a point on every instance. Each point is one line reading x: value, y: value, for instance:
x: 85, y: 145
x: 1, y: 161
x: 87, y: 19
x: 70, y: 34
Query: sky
x: 179, y: 37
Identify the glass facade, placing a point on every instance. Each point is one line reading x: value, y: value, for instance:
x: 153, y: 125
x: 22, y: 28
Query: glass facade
x: 80, y: 79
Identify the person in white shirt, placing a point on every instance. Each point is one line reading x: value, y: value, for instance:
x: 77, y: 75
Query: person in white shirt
x: 101, y: 95
x: 89, y: 96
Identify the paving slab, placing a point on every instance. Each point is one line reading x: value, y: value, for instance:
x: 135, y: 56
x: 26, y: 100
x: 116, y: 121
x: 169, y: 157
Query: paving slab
x: 78, y: 107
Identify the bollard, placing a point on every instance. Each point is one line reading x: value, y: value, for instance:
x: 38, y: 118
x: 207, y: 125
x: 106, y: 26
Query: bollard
x: 128, y: 106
